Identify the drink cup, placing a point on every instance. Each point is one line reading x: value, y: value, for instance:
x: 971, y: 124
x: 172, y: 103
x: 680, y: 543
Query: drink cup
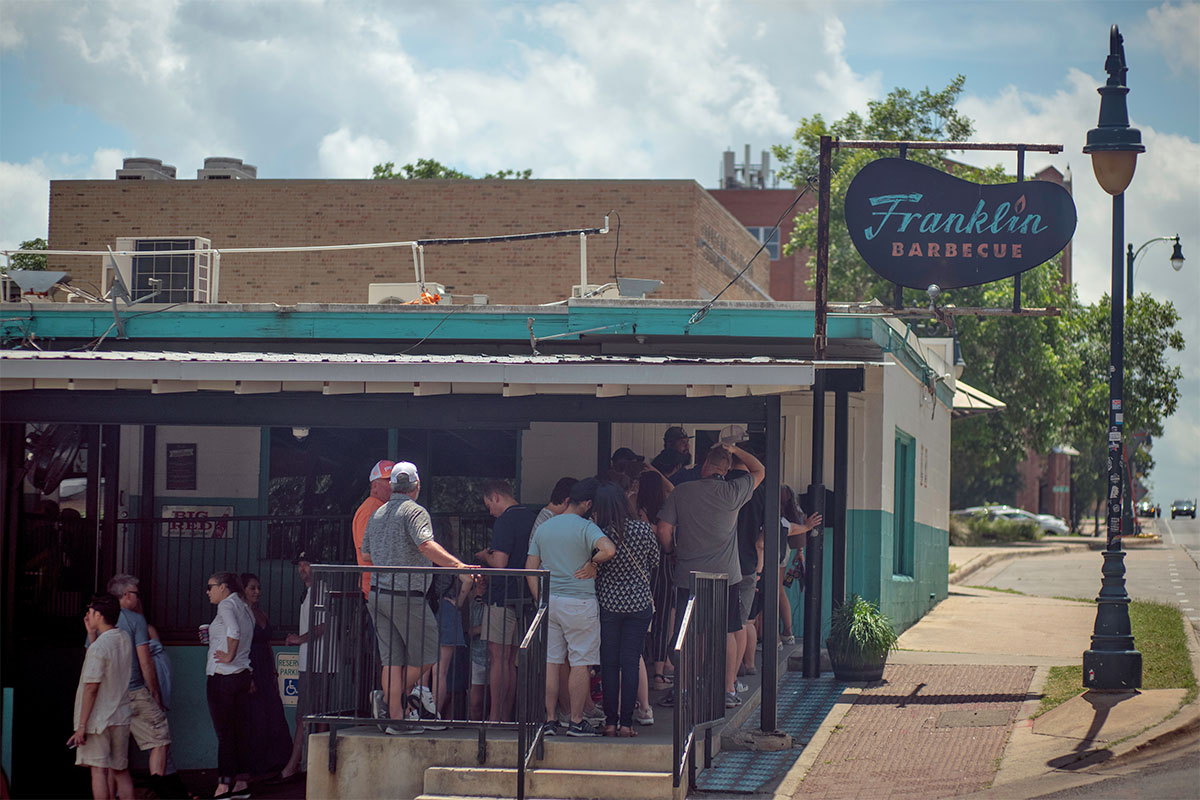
x: 203, y: 634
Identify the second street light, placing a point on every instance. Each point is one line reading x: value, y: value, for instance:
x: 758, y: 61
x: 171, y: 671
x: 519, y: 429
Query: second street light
x: 1176, y: 259
x: 1112, y: 662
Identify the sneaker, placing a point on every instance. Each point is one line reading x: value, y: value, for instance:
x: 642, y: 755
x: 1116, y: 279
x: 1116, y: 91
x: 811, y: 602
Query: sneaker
x: 582, y: 728
x: 732, y: 700
x: 668, y: 699
x: 595, y: 716
x: 787, y: 640
x: 551, y: 728
x: 741, y: 687
x: 643, y: 716
x: 563, y: 718
x: 393, y: 730
x: 418, y: 711
x: 379, y: 705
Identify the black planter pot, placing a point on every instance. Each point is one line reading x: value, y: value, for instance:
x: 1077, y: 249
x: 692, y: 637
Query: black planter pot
x: 855, y: 669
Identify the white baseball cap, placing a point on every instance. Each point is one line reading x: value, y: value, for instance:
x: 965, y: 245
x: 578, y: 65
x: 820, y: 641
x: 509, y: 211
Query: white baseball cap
x: 404, y: 474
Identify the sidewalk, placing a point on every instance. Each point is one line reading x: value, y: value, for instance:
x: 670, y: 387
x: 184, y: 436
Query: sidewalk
x: 952, y: 716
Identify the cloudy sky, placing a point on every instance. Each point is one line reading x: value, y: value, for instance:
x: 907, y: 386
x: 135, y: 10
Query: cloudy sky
x: 620, y: 88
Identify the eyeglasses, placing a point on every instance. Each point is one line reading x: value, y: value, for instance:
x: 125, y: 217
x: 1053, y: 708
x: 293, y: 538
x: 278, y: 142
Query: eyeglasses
x: 212, y: 586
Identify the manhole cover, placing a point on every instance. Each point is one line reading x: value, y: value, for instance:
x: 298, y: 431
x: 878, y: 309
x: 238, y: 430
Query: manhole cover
x: 972, y: 719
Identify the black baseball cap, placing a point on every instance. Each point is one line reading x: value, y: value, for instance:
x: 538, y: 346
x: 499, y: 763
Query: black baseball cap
x: 625, y: 454
x: 674, y: 434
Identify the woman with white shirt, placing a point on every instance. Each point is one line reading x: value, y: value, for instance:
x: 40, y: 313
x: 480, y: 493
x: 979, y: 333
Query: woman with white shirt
x: 229, y: 680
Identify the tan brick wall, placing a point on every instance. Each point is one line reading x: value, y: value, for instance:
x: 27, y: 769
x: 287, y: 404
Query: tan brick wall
x: 661, y: 224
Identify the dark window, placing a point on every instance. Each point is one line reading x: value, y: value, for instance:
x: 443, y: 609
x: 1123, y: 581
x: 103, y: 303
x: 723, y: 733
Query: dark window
x: 175, y: 274
x: 770, y: 235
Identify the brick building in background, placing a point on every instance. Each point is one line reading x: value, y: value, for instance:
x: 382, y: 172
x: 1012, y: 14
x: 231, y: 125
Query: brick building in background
x: 669, y: 230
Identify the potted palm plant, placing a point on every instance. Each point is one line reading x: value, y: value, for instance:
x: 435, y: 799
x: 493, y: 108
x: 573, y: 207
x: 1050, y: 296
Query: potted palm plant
x: 860, y: 638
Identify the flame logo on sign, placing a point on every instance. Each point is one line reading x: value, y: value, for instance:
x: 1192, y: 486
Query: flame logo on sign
x: 1019, y: 206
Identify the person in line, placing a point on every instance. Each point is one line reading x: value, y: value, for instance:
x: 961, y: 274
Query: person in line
x: 148, y: 720
x: 316, y: 662
x: 400, y: 534
x: 626, y: 604
x: 102, y: 712
x: 651, y: 495
x: 571, y: 547
x: 271, y: 743
x: 380, y: 492
x: 698, y: 522
x: 558, y: 501
x: 229, y: 681
x: 750, y: 559
x: 170, y: 785
x: 507, y: 600
x: 795, y: 527
x: 670, y: 462
x: 479, y: 649
x: 676, y: 440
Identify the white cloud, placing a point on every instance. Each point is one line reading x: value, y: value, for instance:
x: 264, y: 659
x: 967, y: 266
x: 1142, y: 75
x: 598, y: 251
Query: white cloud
x: 24, y: 202
x: 1175, y: 29
x: 342, y: 154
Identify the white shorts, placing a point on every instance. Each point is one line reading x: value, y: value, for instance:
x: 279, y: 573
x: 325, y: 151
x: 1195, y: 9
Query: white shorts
x: 573, y: 631
x: 479, y: 674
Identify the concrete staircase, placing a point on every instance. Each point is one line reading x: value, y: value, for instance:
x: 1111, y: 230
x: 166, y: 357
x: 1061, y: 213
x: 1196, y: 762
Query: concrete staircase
x: 573, y: 769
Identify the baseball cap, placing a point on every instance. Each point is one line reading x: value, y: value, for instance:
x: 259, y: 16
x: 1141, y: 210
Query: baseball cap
x: 382, y: 469
x: 302, y: 557
x: 404, y: 475
x: 674, y: 434
x: 625, y: 454
x: 584, y: 490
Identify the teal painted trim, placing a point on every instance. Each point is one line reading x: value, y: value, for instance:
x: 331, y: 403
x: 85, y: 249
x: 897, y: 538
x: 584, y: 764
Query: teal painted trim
x: 380, y: 325
x: 905, y: 599
x: 6, y: 732
x: 902, y: 349
x: 193, y: 742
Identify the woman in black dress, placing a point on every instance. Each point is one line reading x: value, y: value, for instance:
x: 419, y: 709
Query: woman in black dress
x: 270, y: 737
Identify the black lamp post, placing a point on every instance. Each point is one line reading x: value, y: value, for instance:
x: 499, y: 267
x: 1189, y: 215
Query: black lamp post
x: 1112, y: 662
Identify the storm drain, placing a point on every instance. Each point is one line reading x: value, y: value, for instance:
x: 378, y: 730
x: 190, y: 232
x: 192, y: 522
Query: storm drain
x: 973, y: 719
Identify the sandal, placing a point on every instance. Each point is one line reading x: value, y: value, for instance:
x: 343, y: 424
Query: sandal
x: 611, y: 730
x: 660, y: 682
x: 626, y: 732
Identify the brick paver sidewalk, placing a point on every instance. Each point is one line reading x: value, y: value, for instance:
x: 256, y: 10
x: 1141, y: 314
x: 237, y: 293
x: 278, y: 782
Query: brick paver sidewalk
x: 899, y: 741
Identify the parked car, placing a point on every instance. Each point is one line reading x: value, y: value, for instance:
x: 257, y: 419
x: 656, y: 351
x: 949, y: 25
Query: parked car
x: 1046, y: 523
x: 1183, y: 508
x: 1053, y: 525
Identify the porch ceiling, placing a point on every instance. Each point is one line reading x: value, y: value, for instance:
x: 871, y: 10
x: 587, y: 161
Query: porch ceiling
x: 161, y: 372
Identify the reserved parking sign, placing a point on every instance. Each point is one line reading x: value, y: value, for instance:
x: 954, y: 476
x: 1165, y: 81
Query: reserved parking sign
x: 288, y: 667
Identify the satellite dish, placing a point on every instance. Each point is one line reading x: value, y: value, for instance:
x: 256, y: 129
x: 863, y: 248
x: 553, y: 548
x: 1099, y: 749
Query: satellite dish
x: 51, y: 454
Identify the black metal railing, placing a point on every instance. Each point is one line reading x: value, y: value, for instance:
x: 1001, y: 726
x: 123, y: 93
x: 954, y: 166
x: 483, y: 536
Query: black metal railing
x: 349, y: 643
x: 174, y: 555
x: 699, y: 655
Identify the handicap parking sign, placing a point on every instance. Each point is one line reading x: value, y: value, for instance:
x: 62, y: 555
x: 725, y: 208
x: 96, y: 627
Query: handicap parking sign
x: 288, y: 667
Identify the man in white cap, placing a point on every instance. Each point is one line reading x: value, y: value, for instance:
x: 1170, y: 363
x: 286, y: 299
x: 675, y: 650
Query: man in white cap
x: 381, y: 492
x: 400, y: 534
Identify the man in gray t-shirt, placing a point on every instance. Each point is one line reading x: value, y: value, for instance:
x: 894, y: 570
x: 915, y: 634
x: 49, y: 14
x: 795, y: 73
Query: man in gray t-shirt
x: 400, y: 534
x: 698, y: 522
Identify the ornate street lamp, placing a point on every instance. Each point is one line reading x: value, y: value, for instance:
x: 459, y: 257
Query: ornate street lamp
x: 1132, y: 256
x: 1112, y: 662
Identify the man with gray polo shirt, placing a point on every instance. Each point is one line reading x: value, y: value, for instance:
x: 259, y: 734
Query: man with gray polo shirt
x: 698, y: 522
x: 400, y: 534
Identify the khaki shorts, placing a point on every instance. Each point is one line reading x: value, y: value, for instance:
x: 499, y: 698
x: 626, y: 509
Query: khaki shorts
x: 147, y: 720
x: 109, y: 749
x: 745, y: 590
x: 500, y: 626
x: 573, y: 631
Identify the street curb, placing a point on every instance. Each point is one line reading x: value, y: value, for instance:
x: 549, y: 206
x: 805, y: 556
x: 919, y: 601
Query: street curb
x: 974, y: 565
x: 789, y: 785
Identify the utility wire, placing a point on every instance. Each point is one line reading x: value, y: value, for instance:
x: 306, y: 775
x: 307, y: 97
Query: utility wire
x: 702, y: 312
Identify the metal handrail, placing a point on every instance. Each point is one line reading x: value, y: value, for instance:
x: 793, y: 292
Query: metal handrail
x: 699, y: 691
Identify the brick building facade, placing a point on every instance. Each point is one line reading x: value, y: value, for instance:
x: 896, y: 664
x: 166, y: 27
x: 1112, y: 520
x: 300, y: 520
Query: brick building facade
x: 670, y: 230
x: 760, y: 208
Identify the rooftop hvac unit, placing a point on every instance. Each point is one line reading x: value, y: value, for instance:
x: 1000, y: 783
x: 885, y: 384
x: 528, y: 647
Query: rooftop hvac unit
x: 224, y: 168
x: 166, y: 267
x: 145, y: 169
x: 398, y: 293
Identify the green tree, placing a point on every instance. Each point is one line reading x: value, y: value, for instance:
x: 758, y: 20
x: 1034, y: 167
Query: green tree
x: 428, y: 168
x: 1151, y: 388
x: 30, y: 260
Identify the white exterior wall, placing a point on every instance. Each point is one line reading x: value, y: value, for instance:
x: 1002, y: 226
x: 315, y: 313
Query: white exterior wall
x: 227, y: 461
x: 552, y: 450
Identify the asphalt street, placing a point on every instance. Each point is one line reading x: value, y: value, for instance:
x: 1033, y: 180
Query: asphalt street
x: 1167, y: 572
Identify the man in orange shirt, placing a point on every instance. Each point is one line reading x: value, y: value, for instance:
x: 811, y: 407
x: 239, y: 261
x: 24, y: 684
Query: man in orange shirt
x: 381, y: 492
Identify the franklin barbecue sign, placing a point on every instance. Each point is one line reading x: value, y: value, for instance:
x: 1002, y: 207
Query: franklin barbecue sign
x: 917, y: 226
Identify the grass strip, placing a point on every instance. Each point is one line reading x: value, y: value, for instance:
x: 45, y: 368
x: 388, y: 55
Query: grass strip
x: 1166, y: 664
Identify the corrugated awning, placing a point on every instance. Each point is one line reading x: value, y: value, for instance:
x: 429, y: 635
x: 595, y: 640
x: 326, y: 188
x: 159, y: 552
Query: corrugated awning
x: 969, y: 401
x: 351, y: 373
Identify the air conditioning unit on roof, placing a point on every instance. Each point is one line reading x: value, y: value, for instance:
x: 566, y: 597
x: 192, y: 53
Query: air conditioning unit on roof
x: 167, y: 265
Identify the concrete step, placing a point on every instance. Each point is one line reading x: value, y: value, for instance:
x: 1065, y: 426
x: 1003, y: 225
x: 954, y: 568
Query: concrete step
x: 560, y: 784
